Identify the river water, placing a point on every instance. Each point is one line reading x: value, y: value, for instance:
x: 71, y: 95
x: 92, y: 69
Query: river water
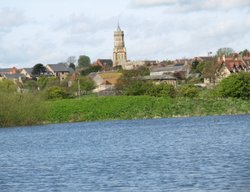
x: 179, y: 154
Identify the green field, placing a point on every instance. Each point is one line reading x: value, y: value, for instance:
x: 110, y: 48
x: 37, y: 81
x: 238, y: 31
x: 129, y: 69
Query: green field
x: 139, y: 107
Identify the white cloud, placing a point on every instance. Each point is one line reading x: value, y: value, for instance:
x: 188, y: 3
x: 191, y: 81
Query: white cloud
x: 171, y: 29
x: 194, y: 5
x: 10, y: 18
x: 153, y: 2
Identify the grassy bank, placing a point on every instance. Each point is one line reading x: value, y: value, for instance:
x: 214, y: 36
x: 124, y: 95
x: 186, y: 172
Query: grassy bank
x: 19, y: 110
x: 140, y: 107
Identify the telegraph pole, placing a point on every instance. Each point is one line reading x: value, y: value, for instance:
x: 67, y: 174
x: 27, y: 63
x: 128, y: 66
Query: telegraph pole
x: 79, y: 90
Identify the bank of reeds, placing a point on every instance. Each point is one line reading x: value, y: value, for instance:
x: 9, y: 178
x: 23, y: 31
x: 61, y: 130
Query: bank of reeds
x: 21, y: 109
x: 29, y: 109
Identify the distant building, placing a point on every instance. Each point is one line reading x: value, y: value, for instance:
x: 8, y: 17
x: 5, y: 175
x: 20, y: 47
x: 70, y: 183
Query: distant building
x: 157, y: 79
x: 59, y: 70
x: 104, y: 63
x: 14, y: 77
x: 169, y: 69
x: 12, y: 70
x: 105, y: 81
x: 129, y: 65
x: 27, y: 72
x: 229, y: 65
x: 119, y: 52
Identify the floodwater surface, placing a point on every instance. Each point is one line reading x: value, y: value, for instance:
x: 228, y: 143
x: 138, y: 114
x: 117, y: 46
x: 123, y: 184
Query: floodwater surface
x: 160, y: 155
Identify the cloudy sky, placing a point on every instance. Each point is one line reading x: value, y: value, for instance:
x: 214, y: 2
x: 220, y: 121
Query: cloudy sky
x: 49, y: 31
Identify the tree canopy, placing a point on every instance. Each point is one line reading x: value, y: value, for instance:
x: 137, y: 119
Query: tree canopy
x: 72, y: 66
x: 71, y: 59
x: 91, y: 69
x: 236, y: 85
x: 227, y: 51
x: 83, y: 61
x: 244, y: 53
x: 38, y: 69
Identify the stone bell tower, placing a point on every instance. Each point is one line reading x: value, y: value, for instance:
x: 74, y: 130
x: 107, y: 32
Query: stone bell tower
x: 119, y: 52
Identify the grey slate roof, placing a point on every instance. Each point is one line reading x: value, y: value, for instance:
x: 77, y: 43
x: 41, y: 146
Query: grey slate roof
x: 59, y: 67
x: 159, y: 77
x: 13, y: 76
x: 29, y: 70
x: 4, y: 70
x: 170, y: 68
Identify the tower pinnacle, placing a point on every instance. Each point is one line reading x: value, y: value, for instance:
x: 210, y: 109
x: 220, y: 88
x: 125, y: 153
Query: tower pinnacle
x: 118, y: 27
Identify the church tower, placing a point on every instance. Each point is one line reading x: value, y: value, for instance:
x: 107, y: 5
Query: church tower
x: 119, y: 53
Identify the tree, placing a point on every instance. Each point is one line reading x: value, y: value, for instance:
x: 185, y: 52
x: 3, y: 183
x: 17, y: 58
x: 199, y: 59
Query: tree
x: 225, y: 51
x: 72, y: 66
x: 86, y: 84
x: 83, y: 61
x: 38, y: 69
x: 244, y: 53
x: 131, y: 80
x: 236, y: 85
x: 71, y: 59
x: 91, y: 69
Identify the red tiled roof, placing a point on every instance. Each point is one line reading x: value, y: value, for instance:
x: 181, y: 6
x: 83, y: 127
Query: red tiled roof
x: 232, y: 64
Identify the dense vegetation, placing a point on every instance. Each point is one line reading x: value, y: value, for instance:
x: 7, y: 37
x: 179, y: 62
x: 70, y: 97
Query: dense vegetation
x: 20, y: 109
x: 236, y: 85
x: 140, y: 107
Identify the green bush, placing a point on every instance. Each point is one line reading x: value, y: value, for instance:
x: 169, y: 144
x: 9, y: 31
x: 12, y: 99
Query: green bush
x: 31, y: 85
x: 161, y: 90
x: 86, y: 85
x: 236, y: 86
x: 137, y: 87
x: 189, y: 90
x: 131, y: 80
x: 56, y: 93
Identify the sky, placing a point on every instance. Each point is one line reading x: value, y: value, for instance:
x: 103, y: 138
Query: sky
x: 50, y: 31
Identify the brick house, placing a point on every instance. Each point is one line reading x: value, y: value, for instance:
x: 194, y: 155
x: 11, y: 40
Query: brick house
x: 229, y: 65
x: 9, y: 71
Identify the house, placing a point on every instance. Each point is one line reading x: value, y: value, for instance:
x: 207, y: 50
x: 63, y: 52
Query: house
x: 170, y: 70
x: 59, y: 70
x: 130, y: 65
x: 104, y: 63
x: 246, y: 60
x: 15, y: 77
x: 12, y: 70
x: 27, y: 72
x: 229, y: 65
x: 105, y: 81
x: 157, y: 79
